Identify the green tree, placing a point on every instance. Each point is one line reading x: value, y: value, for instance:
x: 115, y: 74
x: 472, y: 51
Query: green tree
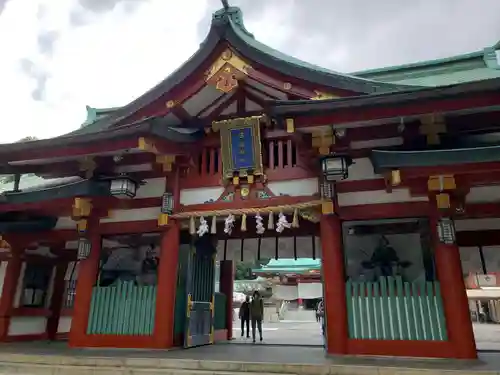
x: 244, y: 269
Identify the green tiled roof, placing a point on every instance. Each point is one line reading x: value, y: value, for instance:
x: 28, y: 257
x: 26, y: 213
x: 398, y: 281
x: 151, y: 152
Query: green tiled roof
x: 27, y: 181
x: 290, y: 265
x: 468, y: 67
x: 95, y: 114
x: 32, y: 182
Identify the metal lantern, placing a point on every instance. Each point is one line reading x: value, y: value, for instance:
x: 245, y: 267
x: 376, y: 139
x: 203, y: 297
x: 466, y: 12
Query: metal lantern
x: 446, y: 231
x: 167, y: 203
x: 123, y: 187
x: 84, y: 247
x: 335, y: 167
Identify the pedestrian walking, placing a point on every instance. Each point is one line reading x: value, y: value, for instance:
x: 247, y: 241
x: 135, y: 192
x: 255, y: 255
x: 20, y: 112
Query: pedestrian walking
x: 256, y: 314
x: 244, y: 315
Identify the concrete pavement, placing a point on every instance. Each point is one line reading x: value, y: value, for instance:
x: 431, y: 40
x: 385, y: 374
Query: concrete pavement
x: 285, y: 333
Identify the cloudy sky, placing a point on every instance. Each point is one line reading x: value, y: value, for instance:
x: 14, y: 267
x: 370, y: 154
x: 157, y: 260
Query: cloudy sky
x: 58, y: 56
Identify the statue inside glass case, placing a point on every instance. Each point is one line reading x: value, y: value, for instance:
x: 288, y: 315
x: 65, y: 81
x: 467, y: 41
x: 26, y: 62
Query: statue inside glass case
x: 385, y: 260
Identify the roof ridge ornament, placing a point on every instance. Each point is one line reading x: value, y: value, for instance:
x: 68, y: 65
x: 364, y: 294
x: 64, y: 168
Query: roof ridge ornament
x: 225, y: 4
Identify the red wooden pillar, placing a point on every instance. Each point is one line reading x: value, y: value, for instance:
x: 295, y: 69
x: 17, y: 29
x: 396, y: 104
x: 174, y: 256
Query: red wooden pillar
x: 227, y: 288
x: 332, y: 259
x: 454, y: 294
x: 9, y: 289
x: 87, y: 276
x: 167, y: 287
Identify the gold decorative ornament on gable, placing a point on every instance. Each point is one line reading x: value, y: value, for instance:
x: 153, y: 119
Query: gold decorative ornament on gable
x: 323, y: 95
x: 226, y: 71
x: 323, y: 140
x: 241, y: 148
x: 432, y: 126
x: 88, y: 165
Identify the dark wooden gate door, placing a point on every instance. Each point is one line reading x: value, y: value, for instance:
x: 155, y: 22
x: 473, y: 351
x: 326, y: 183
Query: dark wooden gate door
x: 200, y: 287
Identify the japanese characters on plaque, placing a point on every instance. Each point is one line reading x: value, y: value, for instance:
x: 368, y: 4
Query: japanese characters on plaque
x: 240, y: 146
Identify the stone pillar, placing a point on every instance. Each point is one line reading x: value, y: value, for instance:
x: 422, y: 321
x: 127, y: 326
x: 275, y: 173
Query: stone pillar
x: 332, y: 259
x: 167, y: 287
x: 454, y: 294
x: 87, y: 276
x: 227, y: 288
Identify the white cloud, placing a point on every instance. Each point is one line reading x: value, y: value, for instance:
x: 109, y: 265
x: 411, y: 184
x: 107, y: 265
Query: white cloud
x: 115, y: 53
x: 107, y: 62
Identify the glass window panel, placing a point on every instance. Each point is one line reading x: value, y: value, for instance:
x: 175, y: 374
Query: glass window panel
x: 378, y: 248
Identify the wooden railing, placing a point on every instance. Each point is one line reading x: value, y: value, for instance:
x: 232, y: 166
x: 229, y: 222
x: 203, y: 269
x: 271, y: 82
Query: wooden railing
x: 281, y: 161
x: 122, y: 309
x: 391, y: 309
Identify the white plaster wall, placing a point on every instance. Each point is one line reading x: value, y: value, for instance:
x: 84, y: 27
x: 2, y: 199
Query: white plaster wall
x: 71, y: 245
x: 308, y: 186
x: 19, y: 286
x: 377, y: 196
x: 65, y: 222
x: 134, y: 168
x: 310, y: 290
x: 199, y: 196
x: 3, y: 270
x: 154, y: 187
x: 27, y: 325
x: 136, y: 214
x: 374, y: 143
x: 361, y: 169
x: 64, y: 325
x: 471, y: 260
x: 483, y: 194
x: 477, y: 224
x: 250, y: 251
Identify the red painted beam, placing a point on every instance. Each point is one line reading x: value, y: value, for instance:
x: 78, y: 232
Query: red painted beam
x: 275, y: 201
x: 62, y: 206
x: 300, y: 88
x: 384, y: 211
x: 347, y: 115
x: 465, y: 168
x: 478, y: 238
x: 68, y: 151
x: 71, y: 167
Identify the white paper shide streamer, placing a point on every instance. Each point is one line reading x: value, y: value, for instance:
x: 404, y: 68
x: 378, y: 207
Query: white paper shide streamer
x: 229, y: 224
x: 282, y: 223
x: 203, y: 228
x: 259, y: 227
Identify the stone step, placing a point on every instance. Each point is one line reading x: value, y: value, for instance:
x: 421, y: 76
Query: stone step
x: 87, y: 365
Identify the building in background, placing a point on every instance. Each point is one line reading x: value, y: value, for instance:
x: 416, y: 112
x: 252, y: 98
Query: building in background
x: 297, y: 280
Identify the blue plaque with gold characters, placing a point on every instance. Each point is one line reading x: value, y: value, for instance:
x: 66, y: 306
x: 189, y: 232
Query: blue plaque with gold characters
x: 240, y: 146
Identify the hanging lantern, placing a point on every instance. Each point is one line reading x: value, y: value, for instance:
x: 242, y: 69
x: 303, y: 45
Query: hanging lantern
x: 167, y: 203
x: 123, y: 187
x: 335, y: 167
x: 84, y: 247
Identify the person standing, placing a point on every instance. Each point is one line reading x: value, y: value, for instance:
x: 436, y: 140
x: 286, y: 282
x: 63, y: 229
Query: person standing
x: 256, y: 314
x: 245, y: 316
x: 319, y: 311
